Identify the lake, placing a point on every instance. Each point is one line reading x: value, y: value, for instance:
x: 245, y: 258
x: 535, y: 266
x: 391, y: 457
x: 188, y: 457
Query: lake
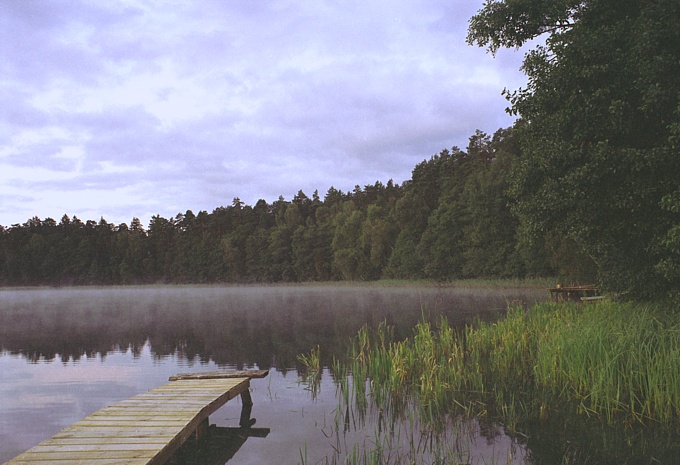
x: 69, y: 352
x: 65, y: 353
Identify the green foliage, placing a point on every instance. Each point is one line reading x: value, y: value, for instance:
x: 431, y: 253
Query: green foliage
x: 669, y: 265
x: 488, y: 240
x: 599, y: 129
x: 511, y: 23
x: 348, y: 257
x: 378, y: 235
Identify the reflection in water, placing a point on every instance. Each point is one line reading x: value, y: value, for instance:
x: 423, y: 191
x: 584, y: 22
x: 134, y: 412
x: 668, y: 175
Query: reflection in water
x: 401, y: 431
x: 89, y: 348
x: 235, y: 326
x: 362, y: 432
x: 219, y: 447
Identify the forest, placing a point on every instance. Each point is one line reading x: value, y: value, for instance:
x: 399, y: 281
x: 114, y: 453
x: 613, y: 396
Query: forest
x: 584, y: 187
x: 451, y: 220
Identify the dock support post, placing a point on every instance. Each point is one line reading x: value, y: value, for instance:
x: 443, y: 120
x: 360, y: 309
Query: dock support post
x: 203, y: 428
x: 246, y: 409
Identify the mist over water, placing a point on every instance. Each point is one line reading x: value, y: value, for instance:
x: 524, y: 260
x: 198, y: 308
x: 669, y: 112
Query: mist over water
x: 69, y: 352
x: 233, y: 326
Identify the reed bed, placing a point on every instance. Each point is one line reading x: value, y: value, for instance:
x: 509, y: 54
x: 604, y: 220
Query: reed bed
x: 615, y: 361
x: 612, y: 366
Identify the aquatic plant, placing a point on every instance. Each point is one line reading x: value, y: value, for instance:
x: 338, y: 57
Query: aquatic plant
x: 313, y: 369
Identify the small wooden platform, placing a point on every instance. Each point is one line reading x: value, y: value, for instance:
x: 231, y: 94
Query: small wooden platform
x: 574, y: 293
x: 146, y: 429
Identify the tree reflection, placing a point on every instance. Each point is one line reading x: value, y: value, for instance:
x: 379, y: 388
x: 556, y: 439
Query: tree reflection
x: 232, y: 326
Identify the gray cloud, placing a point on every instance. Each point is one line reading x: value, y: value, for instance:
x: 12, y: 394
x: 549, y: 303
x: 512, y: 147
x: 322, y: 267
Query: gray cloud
x: 122, y: 109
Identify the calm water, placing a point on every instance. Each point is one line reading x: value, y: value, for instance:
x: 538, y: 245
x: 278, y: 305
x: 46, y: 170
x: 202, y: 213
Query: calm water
x: 67, y: 353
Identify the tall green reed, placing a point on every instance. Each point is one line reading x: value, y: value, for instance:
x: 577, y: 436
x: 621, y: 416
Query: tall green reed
x: 313, y: 369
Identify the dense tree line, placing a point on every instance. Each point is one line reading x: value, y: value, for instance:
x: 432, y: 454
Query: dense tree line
x: 600, y: 130
x: 451, y: 220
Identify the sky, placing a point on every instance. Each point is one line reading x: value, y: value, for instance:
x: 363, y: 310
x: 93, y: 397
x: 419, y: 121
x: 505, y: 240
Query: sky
x: 129, y: 108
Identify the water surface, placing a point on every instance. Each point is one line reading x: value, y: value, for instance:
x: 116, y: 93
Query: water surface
x: 69, y: 352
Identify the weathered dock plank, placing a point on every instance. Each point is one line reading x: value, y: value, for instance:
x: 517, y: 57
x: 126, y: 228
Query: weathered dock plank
x: 221, y: 375
x: 145, y: 429
x: 85, y: 461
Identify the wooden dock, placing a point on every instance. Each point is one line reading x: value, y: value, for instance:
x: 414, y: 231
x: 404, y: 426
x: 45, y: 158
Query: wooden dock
x: 148, y: 428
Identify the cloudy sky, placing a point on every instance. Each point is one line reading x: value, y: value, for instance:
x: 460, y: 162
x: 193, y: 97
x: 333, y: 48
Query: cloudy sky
x: 135, y: 108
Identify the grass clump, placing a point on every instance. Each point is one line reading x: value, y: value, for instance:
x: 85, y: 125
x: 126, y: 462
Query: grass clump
x: 615, y: 360
x: 313, y: 369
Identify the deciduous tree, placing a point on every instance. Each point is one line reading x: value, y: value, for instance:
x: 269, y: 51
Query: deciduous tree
x: 598, y: 111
